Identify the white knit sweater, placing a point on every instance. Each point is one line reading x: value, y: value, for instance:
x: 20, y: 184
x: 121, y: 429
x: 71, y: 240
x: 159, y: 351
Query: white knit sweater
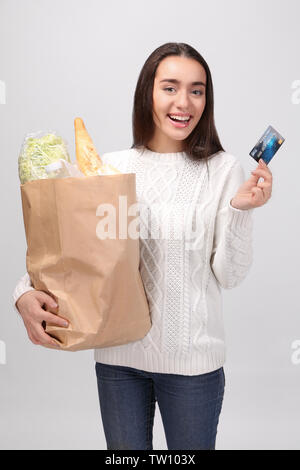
x: 183, y: 276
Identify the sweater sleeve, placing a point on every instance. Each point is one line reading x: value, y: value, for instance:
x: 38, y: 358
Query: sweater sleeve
x: 232, y: 252
x: 24, y: 285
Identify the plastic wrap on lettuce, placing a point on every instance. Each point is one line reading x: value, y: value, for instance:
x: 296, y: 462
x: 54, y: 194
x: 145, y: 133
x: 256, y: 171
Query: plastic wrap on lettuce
x: 38, y: 150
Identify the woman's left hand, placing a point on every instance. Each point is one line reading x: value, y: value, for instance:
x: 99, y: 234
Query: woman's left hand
x: 253, y: 194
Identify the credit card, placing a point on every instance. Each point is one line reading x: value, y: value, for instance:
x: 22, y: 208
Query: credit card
x: 267, y: 145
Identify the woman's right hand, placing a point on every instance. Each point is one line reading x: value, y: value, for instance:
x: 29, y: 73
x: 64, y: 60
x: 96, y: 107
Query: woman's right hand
x: 30, y: 307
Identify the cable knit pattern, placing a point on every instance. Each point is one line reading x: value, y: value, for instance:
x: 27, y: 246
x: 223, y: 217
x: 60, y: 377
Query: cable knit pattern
x: 192, y: 244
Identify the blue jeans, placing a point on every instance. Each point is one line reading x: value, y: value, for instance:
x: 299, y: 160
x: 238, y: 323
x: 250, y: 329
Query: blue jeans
x: 189, y: 406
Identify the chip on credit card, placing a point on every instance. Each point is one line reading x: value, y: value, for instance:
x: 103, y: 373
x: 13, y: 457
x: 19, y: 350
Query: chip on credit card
x: 267, y: 145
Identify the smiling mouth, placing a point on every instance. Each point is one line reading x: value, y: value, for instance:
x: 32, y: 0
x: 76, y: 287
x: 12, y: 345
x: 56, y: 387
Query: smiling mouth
x: 179, y: 120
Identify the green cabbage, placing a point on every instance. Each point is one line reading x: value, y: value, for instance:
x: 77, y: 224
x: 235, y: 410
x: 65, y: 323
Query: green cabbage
x: 38, y: 152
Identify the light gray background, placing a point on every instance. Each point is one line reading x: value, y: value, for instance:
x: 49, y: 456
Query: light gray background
x: 66, y: 58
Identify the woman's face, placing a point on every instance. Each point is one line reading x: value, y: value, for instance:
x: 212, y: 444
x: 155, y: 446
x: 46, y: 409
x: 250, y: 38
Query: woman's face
x: 179, y: 89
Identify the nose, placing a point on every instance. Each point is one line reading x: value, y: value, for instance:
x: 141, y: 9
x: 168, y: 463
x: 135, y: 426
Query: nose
x: 182, y: 101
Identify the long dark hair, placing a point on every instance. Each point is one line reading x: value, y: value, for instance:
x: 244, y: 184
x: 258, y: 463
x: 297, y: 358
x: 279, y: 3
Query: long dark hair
x: 203, y: 142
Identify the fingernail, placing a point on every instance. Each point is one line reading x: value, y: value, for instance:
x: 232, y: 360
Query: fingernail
x: 55, y: 304
x: 66, y: 323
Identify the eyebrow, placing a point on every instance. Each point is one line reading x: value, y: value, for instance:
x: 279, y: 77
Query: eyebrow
x: 173, y: 80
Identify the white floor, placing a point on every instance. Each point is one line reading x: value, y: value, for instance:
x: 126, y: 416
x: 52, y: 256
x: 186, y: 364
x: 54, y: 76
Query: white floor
x: 260, y: 411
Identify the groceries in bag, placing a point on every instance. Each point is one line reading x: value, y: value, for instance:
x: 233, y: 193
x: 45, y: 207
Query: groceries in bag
x: 62, y: 169
x: 95, y: 281
x: 87, y: 156
x: 45, y: 155
x: 39, y: 150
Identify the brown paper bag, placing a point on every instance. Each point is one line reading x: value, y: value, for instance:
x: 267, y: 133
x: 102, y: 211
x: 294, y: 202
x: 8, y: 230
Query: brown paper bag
x: 96, y: 282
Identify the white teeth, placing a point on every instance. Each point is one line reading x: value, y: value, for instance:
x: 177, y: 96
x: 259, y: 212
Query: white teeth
x: 179, y: 118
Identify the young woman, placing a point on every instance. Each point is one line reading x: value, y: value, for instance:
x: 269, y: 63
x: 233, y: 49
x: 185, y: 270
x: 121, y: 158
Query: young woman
x: 199, y: 239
